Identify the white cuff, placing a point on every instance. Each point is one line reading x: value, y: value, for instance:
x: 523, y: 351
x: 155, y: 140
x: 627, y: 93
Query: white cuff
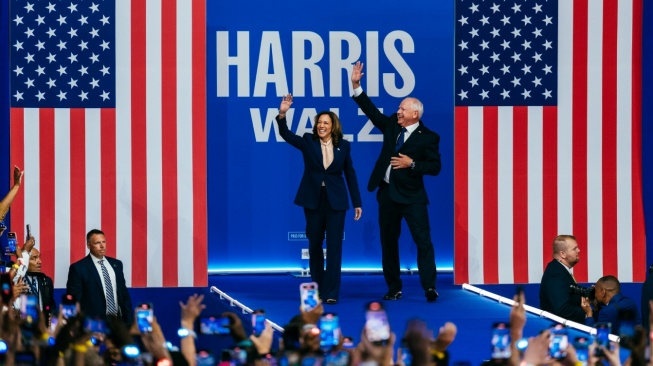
x: 358, y: 91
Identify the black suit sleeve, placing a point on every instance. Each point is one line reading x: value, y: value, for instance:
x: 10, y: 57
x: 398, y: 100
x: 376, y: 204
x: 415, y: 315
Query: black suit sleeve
x: 431, y: 163
x: 74, y: 284
x: 352, y: 181
x: 560, y: 298
x: 125, y: 300
x: 380, y: 120
x: 50, y: 300
x: 287, y: 135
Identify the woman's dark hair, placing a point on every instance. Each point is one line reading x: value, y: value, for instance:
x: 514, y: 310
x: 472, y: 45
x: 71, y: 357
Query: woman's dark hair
x: 336, y: 127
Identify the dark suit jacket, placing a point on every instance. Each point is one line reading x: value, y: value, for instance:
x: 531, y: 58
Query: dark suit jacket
x: 554, y: 293
x: 406, y: 185
x: 647, y: 295
x: 308, y: 194
x: 85, y: 284
x: 46, y: 292
x: 610, y: 313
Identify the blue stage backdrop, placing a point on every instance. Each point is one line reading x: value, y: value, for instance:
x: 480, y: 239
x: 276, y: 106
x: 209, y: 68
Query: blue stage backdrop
x: 307, y: 49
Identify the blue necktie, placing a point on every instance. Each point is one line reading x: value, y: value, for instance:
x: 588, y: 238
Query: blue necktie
x: 400, y: 140
x: 111, y: 303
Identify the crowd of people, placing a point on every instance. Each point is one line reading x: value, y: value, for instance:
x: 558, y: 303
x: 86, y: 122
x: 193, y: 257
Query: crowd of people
x: 95, y: 323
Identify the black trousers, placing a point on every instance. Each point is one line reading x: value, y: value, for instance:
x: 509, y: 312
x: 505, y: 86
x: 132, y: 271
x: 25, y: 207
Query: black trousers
x: 417, y: 218
x: 318, y: 221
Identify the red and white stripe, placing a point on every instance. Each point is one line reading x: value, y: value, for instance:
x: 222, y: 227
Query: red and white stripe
x: 526, y: 174
x: 137, y: 172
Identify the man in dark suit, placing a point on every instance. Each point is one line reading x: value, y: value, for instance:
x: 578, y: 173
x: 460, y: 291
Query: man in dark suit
x: 409, y: 151
x: 556, y: 279
x: 40, y: 285
x: 98, y: 282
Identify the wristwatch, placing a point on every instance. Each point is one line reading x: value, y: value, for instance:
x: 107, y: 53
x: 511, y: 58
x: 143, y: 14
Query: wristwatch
x: 412, y: 165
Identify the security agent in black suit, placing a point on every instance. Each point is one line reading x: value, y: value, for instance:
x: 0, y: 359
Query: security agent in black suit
x: 323, y: 195
x: 398, y: 174
x: 40, y: 284
x: 556, y: 279
x: 87, y: 283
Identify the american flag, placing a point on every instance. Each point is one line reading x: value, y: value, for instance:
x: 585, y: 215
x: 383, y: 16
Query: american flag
x: 108, y: 120
x: 547, y: 138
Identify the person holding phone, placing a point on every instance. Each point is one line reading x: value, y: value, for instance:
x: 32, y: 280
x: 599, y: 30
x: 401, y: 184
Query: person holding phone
x: 322, y: 193
x: 410, y: 151
x: 40, y: 285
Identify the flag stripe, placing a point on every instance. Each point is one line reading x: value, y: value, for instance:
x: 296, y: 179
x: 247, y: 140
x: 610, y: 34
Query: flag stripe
x: 200, y: 233
x: 534, y: 119
x: 461, y: 215
x: 520, y: 200
x: 153, y: 100
x: 78, y: 176
x: 549, y: 187
x: 67, y: 186
x: 46, y: 194
x: 124, y: 140
x: 94, y: 184
x: 169, y: 142
x: 639, y: 237
x: 505, y: 214
x: 108, y: 167
x: 579, y: 131
x: 609, y: 146
x: 184, y: 126
x: 595, y: 166
x: 623, y: 241
x: 475, y: 223
x: 139, y: 154
x: 490, y: 184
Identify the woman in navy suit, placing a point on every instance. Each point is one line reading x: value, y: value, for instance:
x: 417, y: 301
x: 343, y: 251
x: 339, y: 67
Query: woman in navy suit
x: 322, y: 193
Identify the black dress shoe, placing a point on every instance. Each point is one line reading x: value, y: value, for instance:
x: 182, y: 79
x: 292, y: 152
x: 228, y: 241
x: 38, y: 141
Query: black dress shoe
x: 392, y: 295
x: 332, y: 301
x: 431, y: 294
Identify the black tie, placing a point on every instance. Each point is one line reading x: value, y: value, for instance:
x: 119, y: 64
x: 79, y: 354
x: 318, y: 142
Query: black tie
x: 400, y: 140
x: 33, y: 285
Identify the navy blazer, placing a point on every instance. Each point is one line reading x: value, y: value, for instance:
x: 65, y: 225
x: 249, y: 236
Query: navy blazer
x: 406, y: 185
x: 85, y: 284
x: 610, y: 313
x: 308, y: 193
x: 554, y: 293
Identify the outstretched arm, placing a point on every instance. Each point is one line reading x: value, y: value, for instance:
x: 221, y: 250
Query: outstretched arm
x: 9, y: 198
x: 284, y: 132
x: 379, y: 120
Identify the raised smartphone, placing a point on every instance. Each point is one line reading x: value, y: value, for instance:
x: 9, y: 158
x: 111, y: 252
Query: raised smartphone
x: 144, y: 317
x: 258, y: 322
x: 500, y: 341
x: 558, y: 342
x: 329, y: 330
x: 377, y: 327
x: 309, y: 295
